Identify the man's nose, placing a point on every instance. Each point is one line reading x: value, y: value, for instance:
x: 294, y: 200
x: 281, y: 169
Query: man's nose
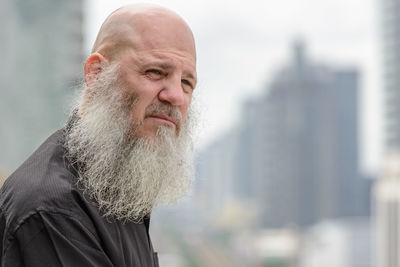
x: 172, y: 92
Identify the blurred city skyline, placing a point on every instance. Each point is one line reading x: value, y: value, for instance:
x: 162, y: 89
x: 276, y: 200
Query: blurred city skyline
x: 280, y: 129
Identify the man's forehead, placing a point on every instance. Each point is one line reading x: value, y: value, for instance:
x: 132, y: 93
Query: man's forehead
x: 168, y: 37
x: 146, y: 27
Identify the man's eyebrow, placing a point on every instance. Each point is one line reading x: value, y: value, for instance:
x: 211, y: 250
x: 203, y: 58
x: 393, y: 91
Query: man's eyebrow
x: 167, y: 66
x: 162, y: 65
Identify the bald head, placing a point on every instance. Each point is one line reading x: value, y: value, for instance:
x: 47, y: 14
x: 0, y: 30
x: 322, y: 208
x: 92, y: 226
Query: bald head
x: 143, y: 27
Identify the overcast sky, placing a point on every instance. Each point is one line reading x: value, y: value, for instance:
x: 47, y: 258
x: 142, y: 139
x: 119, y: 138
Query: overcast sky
x: 241, y: 44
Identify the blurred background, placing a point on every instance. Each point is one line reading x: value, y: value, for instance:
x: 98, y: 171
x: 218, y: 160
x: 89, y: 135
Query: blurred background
x: 298, y: 157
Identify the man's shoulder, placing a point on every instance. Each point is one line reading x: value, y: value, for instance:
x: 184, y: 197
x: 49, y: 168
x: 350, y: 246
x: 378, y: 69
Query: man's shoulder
x: 43, y: 182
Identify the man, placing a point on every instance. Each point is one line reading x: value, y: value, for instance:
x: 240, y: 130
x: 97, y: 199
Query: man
x: 85, y: 196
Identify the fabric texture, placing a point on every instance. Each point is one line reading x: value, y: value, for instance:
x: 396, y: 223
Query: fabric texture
x: 46, y: 220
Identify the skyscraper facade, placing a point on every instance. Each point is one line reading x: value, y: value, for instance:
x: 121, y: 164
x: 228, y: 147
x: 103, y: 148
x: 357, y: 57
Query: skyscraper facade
x: 297, y: 147
x: 390, y: 34
x: 387, y: 214
x: 42, y: 51
x: 308, y: 144
x: 387, y: 187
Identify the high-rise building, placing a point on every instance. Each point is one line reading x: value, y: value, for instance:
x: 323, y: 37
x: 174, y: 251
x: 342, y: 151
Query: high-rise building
x: 390, y: 33
x: 387, y: 188
x: 216, y: 171
x: 308, y: 144
x: 42, y: 51
x: 297, y: 147
x: 386, y: 194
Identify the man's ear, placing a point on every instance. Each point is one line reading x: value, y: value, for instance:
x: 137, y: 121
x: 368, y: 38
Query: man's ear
x: 93, y: 66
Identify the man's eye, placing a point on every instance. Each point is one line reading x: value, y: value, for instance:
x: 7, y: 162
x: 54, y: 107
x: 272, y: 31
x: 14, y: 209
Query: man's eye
x: 186, y: 82
x: 154, y: 74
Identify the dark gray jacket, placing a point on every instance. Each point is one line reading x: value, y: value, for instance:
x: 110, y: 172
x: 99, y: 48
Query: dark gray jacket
x: 45, y: 220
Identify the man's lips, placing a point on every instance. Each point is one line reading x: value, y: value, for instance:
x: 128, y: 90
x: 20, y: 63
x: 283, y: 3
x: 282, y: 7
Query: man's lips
x: 163, y: 117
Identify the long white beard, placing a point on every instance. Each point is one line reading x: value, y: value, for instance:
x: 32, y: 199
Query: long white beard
x: 126, y: 175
